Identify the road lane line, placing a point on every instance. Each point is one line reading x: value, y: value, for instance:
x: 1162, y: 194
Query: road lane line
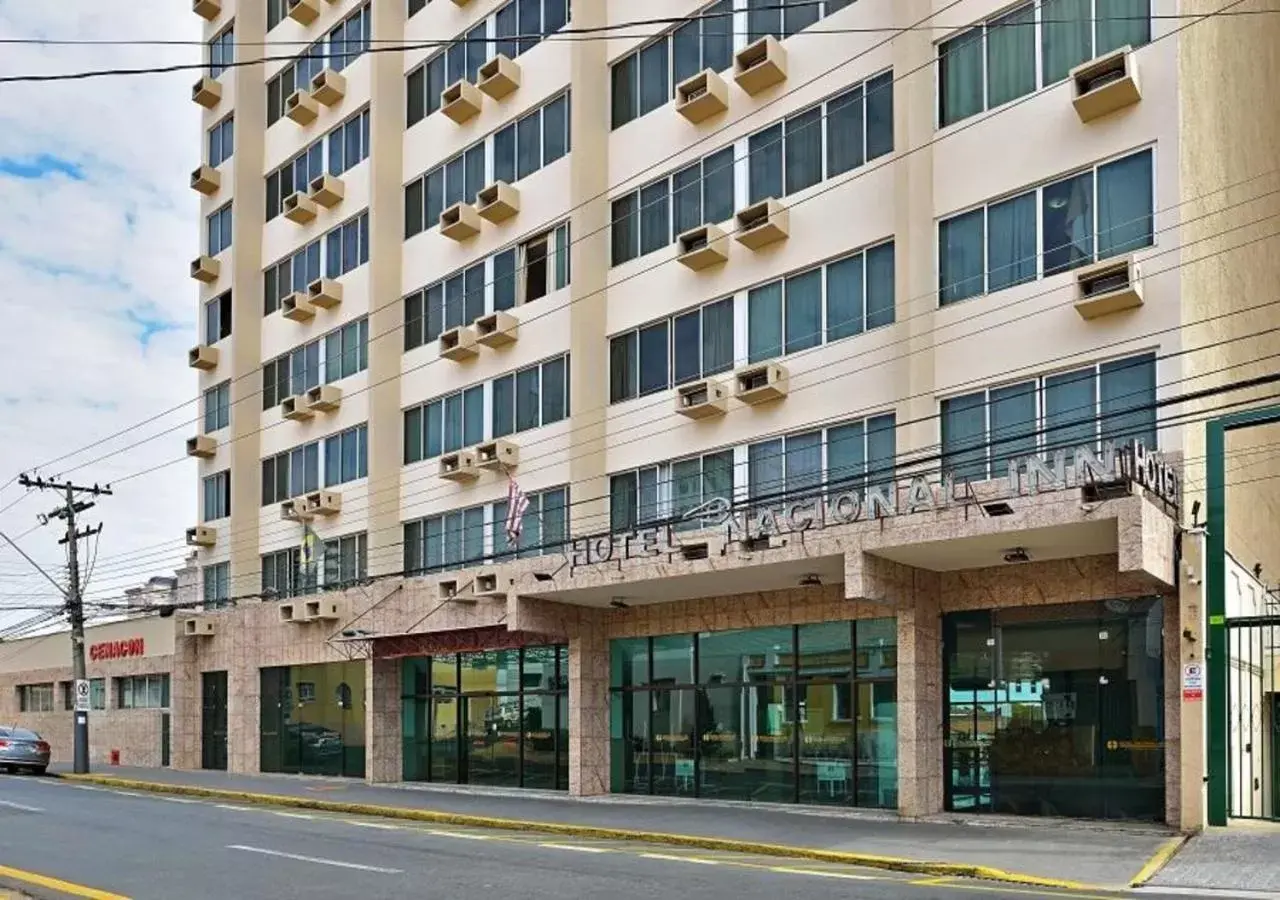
x: 289, y: 815
x: 57, y: 884
x: 178, y: 800
x: 381, y: 825
x: 688, y: 859
x: 315, y: 859
x: 576, y: 849
x: 458, y: 834
x: 20, y: 806
x: 789, y: 870
x: 234, y: 808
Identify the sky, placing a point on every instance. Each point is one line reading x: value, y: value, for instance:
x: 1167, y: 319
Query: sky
x: 97, y: 229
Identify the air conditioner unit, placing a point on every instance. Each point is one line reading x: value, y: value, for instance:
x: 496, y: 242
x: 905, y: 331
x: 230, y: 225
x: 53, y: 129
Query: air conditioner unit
x: 202, y: 536
x: 461, y: 101
x: 498, y: 202
x: 703, y: 247
x: 323, y: 610
x: 499, y: 77
x: 295, y: 407
x: 701, y: 96
x: 705, y: 399
x: 297, y: 307
x: 290, y: 614
x: 1108, y: 287
x: 203, y: 357
x: 761, y: 383
x: 205, y: 269
x: 199, y: 627
x: 295, y: 510
x: 328, y: 87
x: 324, y: 398
x: 326, y: 190
x: 458, y: 344
x: 302, y: 107
x: 460, y: 222
x: 207, y: 92
x: 325, y: 293
x: 459, y: 467
x: 304, y: 12
x: 300, y: 208
x: 324, y: 503
x: 497, y: 456
x: 206, y: 180
x: 497, y: 329
x: 762, y: 224
x: 207, y: 9
x: 202, y: 446
x: 1106, y: 84
x: 760, y: 65
x: 489, y: 585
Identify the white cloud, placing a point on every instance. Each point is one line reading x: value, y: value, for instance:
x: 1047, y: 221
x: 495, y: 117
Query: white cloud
x: 83, y: 261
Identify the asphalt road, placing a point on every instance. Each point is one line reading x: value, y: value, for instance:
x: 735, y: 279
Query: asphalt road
x: 109, y: 844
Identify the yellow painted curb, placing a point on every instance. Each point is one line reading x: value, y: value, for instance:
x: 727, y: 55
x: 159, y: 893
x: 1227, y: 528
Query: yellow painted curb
x: 891, y: 863
x: 1158, y: 861
x: 57, y: 884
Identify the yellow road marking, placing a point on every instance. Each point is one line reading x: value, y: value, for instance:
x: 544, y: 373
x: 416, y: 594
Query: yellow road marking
x: 1158, y: 861
x: 57, y: 884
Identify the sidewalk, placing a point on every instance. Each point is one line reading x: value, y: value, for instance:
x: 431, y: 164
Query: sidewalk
x: 1040, y: 853
x: 1242, y: 857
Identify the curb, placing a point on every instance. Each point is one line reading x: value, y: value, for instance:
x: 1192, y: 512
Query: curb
x: 890, y: 863
x: 1158, y: 861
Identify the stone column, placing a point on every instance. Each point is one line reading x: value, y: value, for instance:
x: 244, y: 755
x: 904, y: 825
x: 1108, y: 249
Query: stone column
x: 589, y: 707
x: 186, y: 705
x: 920, y: 774
x: 244, y: 715
x: 383, y: 746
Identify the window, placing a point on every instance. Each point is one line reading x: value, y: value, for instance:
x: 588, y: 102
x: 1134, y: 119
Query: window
x: 514, y: 29
x: 647, y: 79
x: 294, y: 77
x: 346, y: 456
x: 1111, y: 402
x: 1099, y: 213
x: 840, y: 458
x: 350, y: 39
x: 222, y: 53
x: 1011, y: 56
x: 667, y: 491
x: 97, y: 693
x: 217, y: 496
x: 218, y: 231
x: 783, y: 19
x: 35, y: 697
x: 276, y: 11
x: 347, y: 246
x: 823, y: 141
x: 653, y: 216
x: 217, y: 585
x: 531, y: 397
x: 348, y: 144
x: 221, y: 140
x: 346, y: 351
x: 533, y: 141
x: 520, y: 274
x: 283, y: 575
x: 461, y: 178
x: 444, y: 425
x: 217, y: 407
x: 217, y: 318
x: 293, y: 273
x: 686, y: 347
x: 544, y: 528
x: 345, y: 560
x: 470, y: 536
x: 835, y: 301
x: 143, y: 692
x: 291, y: 473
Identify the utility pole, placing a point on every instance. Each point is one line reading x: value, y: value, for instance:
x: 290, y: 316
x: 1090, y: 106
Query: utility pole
x: 75, y: 602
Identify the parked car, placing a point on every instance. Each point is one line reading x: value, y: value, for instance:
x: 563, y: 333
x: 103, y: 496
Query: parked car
x: 23, y: 750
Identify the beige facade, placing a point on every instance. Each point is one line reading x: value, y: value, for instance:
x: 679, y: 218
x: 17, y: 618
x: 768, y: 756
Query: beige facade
x: 1194, y: 95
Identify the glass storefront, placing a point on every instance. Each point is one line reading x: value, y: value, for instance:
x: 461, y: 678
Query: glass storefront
x: 491, y: 717
x: 1057, y: 711
x: 312, y: 719
x: 793, y: 714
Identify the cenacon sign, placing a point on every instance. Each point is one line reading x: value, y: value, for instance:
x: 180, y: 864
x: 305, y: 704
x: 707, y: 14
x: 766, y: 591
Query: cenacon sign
x: 1132, y: 464
x: 125, y: 649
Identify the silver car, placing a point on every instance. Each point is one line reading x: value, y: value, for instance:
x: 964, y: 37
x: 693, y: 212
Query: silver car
x: 23, y: 750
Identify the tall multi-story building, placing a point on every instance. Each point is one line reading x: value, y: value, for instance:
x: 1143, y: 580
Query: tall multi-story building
x: 836, y: 349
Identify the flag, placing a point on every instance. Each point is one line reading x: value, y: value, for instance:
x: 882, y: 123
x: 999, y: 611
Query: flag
x: 517, y: 503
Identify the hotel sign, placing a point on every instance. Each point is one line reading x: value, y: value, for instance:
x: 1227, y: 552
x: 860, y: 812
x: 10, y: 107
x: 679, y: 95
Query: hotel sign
x: 1131, y: 464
